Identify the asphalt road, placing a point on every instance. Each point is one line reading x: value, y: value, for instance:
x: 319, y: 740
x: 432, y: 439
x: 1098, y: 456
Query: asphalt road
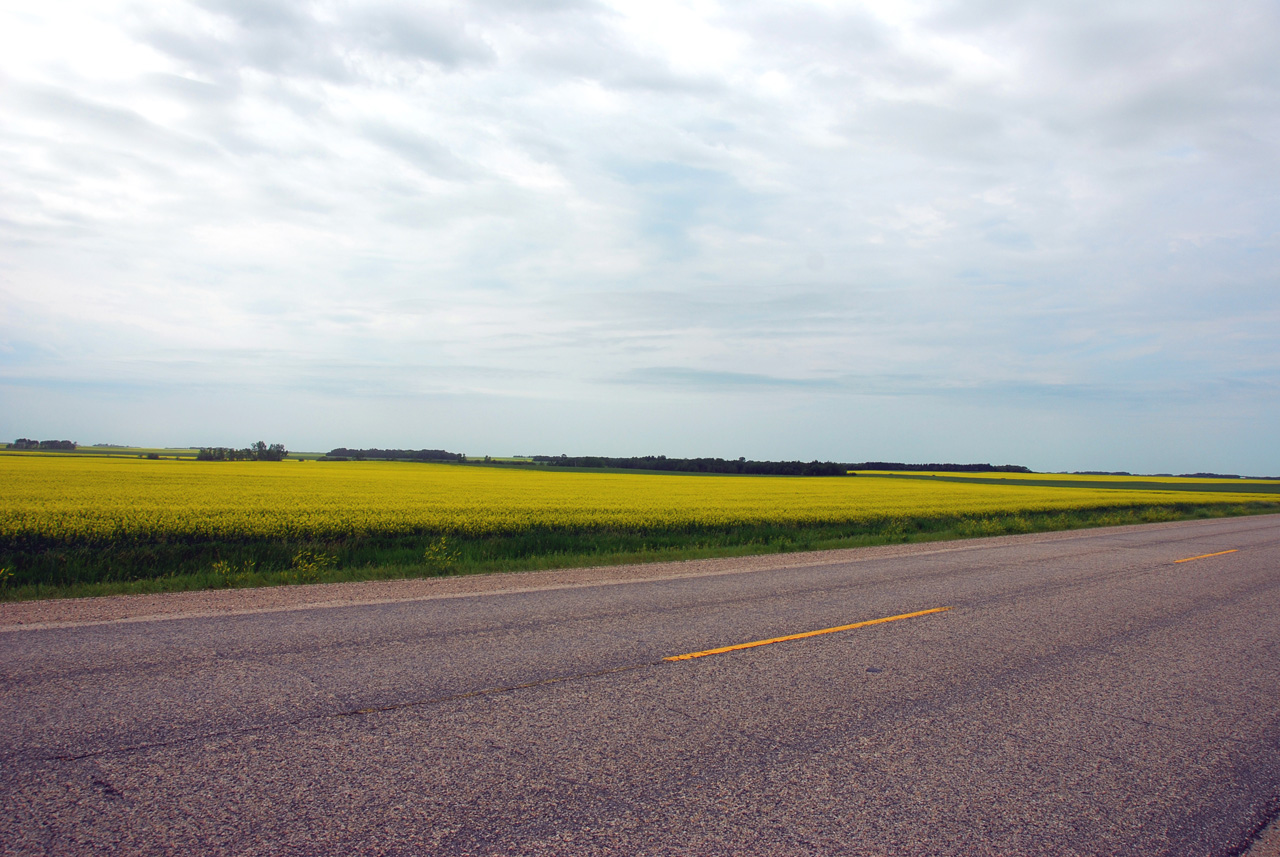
x: 1085, y: 694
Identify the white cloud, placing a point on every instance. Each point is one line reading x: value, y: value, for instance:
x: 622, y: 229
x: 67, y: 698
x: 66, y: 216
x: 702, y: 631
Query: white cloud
x: 545, y: 202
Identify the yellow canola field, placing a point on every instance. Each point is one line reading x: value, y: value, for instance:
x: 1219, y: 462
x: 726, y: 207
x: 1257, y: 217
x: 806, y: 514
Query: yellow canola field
x: 97, y: 499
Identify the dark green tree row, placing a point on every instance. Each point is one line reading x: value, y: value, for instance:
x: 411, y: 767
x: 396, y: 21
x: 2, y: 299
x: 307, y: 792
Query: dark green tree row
x: 28, y: 443
x: 258, y: 452
x: 761, y: 468
x: 941, y: 468
x: 699, y: 465
x: 343, y: 452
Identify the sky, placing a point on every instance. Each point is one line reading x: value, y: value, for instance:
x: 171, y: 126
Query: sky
x: 996, y: 231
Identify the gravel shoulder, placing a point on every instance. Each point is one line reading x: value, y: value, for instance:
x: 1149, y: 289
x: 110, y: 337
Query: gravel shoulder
x: 1267, y: 843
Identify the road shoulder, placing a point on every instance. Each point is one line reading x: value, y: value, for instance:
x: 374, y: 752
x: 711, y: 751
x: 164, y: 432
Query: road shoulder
x: 37, y: 615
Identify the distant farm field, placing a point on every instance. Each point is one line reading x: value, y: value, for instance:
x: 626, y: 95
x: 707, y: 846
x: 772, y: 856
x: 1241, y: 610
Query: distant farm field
x: 69, y: 522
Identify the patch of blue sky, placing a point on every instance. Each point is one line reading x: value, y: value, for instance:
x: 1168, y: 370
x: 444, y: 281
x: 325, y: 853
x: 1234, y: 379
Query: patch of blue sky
x: 703, y: 379
x: 674, y: 198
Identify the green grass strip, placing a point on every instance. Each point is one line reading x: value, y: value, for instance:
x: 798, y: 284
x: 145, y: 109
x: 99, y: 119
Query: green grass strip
x: 79, y: 571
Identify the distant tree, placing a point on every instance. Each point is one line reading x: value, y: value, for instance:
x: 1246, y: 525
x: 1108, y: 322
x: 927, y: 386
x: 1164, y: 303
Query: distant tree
x: 700, y: 465
x: 939, y: 468
x: 257, y: 452
x: 343, y: 452
x: 29, y: 443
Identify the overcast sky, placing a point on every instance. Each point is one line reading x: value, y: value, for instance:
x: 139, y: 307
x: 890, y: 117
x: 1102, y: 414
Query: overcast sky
x: 1031, y: 233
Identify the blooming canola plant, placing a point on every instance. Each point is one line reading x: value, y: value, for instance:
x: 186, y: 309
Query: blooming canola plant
x: 52, y: 499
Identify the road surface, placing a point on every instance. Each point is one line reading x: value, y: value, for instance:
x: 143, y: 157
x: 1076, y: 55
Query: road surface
x: 1083, y: 693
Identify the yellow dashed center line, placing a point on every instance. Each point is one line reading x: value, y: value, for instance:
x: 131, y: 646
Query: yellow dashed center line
x: 1203, y: 555
x: 724, y: 649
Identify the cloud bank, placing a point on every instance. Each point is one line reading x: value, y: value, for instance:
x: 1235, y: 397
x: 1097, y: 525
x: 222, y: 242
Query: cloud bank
x: 924, y: 231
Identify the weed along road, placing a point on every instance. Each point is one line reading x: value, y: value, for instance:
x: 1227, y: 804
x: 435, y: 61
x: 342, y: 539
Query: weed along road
x: 1093, y: 692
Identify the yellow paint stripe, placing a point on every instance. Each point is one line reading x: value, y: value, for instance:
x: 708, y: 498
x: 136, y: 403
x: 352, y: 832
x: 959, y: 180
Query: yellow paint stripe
x: 1203, y: 555
x: 724, y: 649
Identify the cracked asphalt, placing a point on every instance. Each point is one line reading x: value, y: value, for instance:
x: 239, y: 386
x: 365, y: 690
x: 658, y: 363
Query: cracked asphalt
x: 1086, y: 694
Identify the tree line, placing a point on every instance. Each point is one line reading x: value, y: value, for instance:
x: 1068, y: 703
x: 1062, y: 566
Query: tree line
x: 28, y: 443
x: 258, y: 452
x: 941, y: 468
x: 342, y: 453
x: 761, y: 468
x: 698, y: 465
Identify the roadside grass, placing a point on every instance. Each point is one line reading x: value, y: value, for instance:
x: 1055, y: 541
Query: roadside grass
x: 71, y: 571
